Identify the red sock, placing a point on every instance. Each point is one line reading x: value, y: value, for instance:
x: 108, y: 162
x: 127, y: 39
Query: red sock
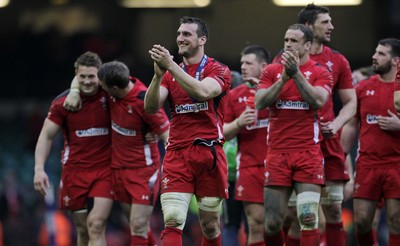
x: 211, y: 242
x: 365, y: 239
x: 322, y: 238
x: 150, y: 237
x: 375, y: 236
x: 139, y: 241
x: 335, y: 234
x: 262, y: 243
x: 275, y: 240
x: 291, y: 241
x: 171, y: 237
x: 394, y: 239
x: 309, y: 238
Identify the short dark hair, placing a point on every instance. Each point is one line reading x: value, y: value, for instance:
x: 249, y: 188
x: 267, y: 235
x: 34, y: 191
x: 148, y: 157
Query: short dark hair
x: 202, y: 29
x: 114, y: 73
x: 309, y: 13
x: 308, y: 34
x: 394, y: 43
x: 88, y: 59
x: 262, y: 54
x: 237, y: 79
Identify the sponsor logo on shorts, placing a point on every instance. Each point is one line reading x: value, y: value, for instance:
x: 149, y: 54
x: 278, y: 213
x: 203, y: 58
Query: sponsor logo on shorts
x: 165, y: 182
x: 91, y: 132
x: 240, y: 189
x: 356, y: 186
x: 283, y: 104
x: 145, y: 197
x: 123, y: 131
x: 191, y: 107
x: 371, y: 119
x: 66, y: 200
x: 266, y: 176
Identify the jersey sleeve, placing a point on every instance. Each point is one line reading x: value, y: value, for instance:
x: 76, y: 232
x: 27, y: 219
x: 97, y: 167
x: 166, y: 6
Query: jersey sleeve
x: 166, y: 80
x: 324, y: 79
x: 345, y: 80
x: 158, y: 122
x: 358, y: 87
x: 221, y: 74
x: 57, y: 112
x: 266, y: 79
x: 229, y: 112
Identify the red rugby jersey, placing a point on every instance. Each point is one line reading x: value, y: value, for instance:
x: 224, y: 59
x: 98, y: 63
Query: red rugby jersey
x: 191, y: 119
x: 376, y: 146
x: 130, y: 123
x: 86, y: 133
x: 294, y: 124
x: 252, y: 139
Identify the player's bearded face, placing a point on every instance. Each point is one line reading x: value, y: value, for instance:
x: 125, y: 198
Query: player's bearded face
x: 189, y: 51
x: 383, y: 68
x: 187, y: 40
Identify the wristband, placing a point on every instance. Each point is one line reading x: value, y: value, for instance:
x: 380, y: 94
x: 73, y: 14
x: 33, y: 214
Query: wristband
x: 75, y: 89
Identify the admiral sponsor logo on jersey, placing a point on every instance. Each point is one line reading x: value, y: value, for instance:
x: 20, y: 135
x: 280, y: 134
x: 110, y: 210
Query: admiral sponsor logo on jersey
x: 283, y: 104
x: 165, y: 182
x: 258, y: 124
x: 91, y: 132
x: 371, y: 119
x: 123, y: 131
x: 191, y: 107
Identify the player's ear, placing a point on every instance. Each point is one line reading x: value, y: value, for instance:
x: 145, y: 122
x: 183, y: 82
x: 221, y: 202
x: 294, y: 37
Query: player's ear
x: 396, y: 61
x: 203, y: 40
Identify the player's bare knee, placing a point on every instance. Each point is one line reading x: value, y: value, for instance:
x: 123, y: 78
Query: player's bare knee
x: 394, y: 223
x: 258, y: 221
x: 332, y: 199
x: 210, y: 228
x: 333, y: 212
x: 273, y: 224
x: 139, y: 226
x: 175, y: 206
x: 362, y: 226
x: 96, y: 224
x: 209, y: 221
x: 362, y: 222
x: 307, y: 210
x: 256, y: 228
x: 96, y: 227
